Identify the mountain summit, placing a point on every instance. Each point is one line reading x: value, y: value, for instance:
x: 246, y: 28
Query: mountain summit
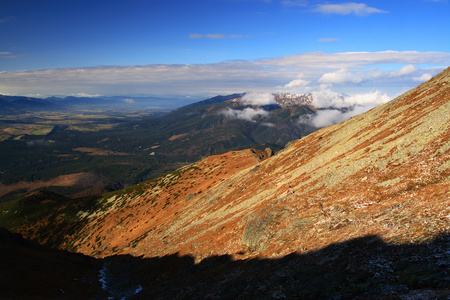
x: 366, y: 200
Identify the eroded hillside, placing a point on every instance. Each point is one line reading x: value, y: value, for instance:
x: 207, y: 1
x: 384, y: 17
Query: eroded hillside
x: 385, y: 173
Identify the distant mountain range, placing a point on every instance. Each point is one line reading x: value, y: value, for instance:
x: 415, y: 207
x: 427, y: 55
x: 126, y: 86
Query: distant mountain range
x: 357, y: 210
x: 135, y: 149
x: 20, y: 104
x: 223, y: 123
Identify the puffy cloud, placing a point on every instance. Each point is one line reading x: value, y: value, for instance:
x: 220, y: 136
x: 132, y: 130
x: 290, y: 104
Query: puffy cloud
x: 329, y: 117
x: 331, y: 103
x: 359, y: 9
x: 327, y: 98
x: 253, y: 98
x: 347, y: 76
x: 341, y: 76
x: 375, y: 98
x: 128, y: 100
x: 247, y: 114
x: 405, y: 70
x: 423, y: 78
x: 299, y: 82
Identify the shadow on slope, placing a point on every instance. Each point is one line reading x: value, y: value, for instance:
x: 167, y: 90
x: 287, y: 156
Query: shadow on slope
x: 31, y: 271
x: 361, y: 268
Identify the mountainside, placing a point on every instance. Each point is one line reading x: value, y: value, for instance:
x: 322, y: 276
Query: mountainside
x: 103, y: 151
x: 357, y: 208
x: 31, y: 271
x: 225, y: 123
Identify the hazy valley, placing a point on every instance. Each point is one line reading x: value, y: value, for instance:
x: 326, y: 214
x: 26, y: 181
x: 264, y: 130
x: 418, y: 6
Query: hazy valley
x: 88, y: 149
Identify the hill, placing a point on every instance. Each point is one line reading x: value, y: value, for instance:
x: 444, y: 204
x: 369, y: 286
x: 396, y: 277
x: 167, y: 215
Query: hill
x: 357, y: 209
x: 79, y: 154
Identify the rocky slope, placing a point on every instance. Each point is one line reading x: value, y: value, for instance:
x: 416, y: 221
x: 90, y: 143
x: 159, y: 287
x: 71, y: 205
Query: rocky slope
x: 365, y: 201
x: 382, y: 173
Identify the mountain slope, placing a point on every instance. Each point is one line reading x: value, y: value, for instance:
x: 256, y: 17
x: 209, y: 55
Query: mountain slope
x: 224, y: 123
x: 385, y: 172
x: 30, y: 271
x: 380, y: 180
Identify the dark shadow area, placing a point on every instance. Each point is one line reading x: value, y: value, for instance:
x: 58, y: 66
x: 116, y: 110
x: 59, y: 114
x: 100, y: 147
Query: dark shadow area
x: 363, y: 268
x: 31, y: 271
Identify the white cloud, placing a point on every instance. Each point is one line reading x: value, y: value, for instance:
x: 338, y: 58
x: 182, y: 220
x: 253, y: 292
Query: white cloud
x: 405, y: 70
x: 85, y: 95
x: 327, y: 98
x: 368, y: 99
x: 349, y: 70
x: 209, y: 36
x: 293, y: 3
x: 359, y: 9
x: 325, y: 40
x: 297, y: 83
x: 341, y: 76
x: 329, y: 117
x: 358, y: 76
x: 247, y: 114
x: 128, y: 100
x: 330, y: 106
x: 253, y: 98
x: 357, y: 59
x: 423, y: 78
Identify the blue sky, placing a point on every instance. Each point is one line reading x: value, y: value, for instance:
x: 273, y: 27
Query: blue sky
x: 199, y: 48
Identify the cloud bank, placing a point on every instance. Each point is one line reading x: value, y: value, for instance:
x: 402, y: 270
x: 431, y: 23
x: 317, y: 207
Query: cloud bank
x: 348, y: 72
x: 331, y: 107
x: 331, y: 116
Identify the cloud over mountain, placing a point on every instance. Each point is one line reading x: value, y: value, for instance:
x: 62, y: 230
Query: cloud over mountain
x: 253, y: 98
x: 335, y: 108
x: 247, y: 114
